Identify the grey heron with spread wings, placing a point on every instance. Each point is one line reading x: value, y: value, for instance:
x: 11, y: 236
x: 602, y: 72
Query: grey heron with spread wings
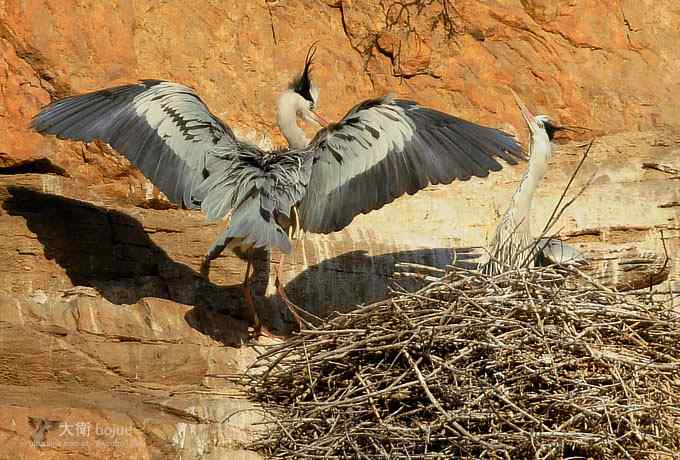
x: 382, y: 149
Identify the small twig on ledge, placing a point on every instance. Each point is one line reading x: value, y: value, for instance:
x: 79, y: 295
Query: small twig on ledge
x: 419, y: 268
x: 663, y: 168
x: 552, y: 219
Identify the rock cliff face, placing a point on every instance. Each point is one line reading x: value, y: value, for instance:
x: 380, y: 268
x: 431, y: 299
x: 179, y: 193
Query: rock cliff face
x: 111, y: 343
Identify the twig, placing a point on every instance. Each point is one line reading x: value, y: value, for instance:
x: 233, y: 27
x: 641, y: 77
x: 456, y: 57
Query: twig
x: 552, y: 218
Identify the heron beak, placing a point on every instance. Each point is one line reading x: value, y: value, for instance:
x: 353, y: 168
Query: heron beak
x: 528, y: 116
x: 318, y: 119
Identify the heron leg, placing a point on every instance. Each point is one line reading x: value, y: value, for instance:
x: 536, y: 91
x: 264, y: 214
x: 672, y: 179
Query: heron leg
x: 248, y: 296
x: 258, y: 328
x: 205, y: 268
x: 282, y: 294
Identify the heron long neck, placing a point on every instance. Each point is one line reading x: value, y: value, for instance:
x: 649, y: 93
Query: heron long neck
x: 513, y: 234
x: 540, y: 152
x: 286, y: 117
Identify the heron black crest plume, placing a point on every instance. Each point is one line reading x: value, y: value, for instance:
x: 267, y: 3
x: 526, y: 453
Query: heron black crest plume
x: 551, y: 129
x: 303, y: 84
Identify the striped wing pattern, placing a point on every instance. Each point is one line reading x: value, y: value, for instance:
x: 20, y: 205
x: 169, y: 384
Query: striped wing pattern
x: 384, y: 148
x: 163, y: 128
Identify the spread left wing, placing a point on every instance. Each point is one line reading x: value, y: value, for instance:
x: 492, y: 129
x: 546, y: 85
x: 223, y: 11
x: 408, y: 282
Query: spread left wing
x: 164, y: 128
x: 384, y: 148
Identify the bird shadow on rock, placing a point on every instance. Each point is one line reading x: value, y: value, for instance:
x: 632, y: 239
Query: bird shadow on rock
x: 111, y: 252
x: 343, y: 283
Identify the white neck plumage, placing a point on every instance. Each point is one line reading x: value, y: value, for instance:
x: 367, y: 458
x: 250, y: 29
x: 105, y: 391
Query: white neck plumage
x: 540, y: 152
x: 287, y: 109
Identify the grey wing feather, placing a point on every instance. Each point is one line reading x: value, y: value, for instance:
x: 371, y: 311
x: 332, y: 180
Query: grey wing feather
x: 384, y: 148
x: 162, y: 127
x: 261, y: 188
x: 194, y: 158
x: 554, y: 251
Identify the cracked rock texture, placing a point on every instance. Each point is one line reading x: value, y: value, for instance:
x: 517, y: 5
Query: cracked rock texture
x: 111, y: 343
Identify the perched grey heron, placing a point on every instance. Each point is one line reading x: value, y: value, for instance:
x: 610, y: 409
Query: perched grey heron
x: 380, y: 150
x: 512, y: 245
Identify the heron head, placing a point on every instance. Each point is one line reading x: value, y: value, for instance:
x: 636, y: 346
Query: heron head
x: 308, y: 92
x: 546, y: 123
x: 538, y: 124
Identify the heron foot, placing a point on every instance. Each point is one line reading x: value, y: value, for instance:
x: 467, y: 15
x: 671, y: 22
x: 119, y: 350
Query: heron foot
x: 257, y: 332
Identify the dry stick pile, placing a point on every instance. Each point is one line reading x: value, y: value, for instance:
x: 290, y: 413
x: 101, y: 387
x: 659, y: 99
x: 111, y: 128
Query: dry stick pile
x: 472, y: 366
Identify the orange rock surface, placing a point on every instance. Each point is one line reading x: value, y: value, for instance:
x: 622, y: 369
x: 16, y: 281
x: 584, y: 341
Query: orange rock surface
x: 105, y: 321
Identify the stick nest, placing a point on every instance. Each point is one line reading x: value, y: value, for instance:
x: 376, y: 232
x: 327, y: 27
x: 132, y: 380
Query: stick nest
x: 519, y: 365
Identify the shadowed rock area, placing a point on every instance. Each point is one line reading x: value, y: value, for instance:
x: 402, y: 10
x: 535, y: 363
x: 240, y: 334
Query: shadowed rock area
x: 112, y: 343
